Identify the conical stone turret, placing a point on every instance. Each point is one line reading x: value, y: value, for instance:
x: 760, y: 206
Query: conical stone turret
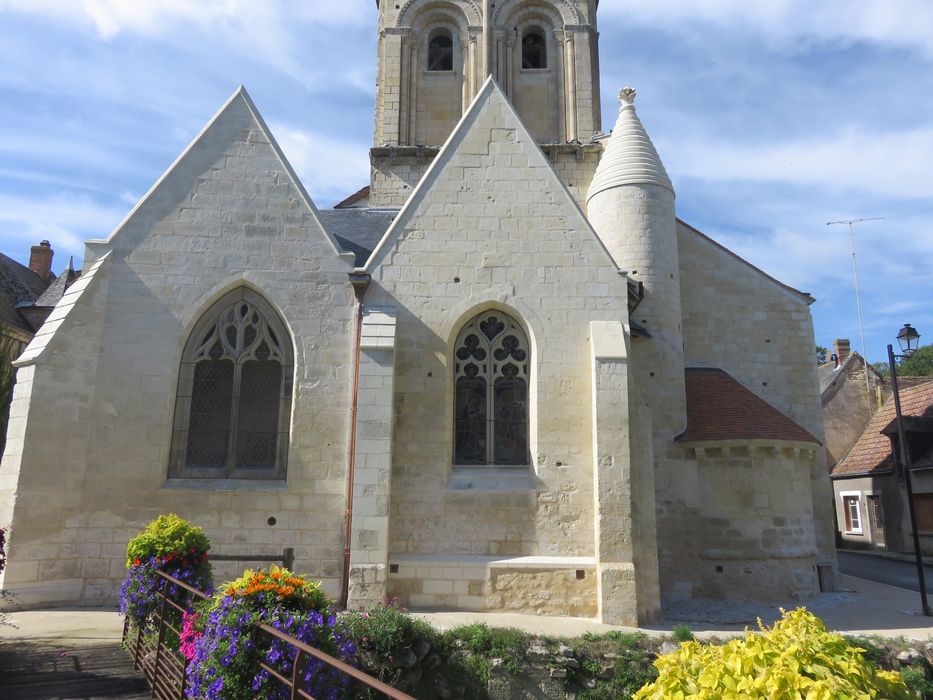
x: 631, y: 205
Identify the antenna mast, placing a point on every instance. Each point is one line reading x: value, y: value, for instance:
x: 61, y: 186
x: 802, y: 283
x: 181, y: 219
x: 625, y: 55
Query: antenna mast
x: 858, y: 300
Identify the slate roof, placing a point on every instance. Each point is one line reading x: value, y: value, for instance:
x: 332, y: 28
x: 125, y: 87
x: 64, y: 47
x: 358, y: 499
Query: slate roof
x: 358, y: 230
x: 56, y: 290
x: 720, y: 408
x: 829, y: 373
x: 17, y: 284
x: 871, y: 453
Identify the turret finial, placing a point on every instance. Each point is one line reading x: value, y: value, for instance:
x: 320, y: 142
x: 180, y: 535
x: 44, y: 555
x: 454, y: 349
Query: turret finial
x: 627, y: 97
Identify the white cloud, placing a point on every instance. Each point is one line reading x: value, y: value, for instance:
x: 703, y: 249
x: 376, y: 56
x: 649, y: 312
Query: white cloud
x: 899, y: 22
x: 271, y: 31
x: 330, y: 169
x: 66, y: 221
x: 894, y: 164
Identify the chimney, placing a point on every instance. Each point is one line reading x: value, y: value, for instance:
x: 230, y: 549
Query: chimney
x: 40, y: 260
x: 841, y: 350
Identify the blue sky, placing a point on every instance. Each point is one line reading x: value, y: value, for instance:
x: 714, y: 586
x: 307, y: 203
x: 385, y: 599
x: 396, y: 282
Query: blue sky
x: 771, y: 117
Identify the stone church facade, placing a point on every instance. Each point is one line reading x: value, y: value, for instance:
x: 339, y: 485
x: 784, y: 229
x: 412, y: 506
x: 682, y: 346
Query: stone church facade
x: 505, y: 376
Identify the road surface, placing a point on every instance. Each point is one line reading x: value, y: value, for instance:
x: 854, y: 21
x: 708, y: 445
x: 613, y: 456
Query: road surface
x: 890, y: 571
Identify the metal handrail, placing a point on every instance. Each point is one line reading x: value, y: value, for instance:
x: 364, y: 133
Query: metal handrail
x: 163, y: 685
x: 345, y: 668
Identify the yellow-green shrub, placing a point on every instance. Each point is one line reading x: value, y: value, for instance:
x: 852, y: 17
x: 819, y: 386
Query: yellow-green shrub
x: 796, y: 658
x: 168, y: 536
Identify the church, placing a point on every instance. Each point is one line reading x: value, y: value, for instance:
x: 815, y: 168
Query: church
x: 504, y: 376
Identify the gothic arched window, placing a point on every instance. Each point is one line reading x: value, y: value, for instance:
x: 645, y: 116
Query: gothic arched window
x: 441, y: 51
x: 491, y: 397
x: 234, y: 393
x: 534, y: 49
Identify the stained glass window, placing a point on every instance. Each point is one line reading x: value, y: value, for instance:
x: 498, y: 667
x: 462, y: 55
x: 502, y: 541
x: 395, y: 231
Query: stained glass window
x: 234, y: 398
x: 491, y: 361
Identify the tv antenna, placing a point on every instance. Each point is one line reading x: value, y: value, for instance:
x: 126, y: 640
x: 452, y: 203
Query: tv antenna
x: 858, y: 298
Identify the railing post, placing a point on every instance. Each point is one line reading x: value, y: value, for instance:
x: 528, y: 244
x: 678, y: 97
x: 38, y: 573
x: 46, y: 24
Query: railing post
x: 296, y: 674
x: 155, y: 668
x: 288, y: 558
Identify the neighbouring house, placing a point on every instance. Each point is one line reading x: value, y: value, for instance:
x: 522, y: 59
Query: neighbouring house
x: 26, y: 298
x: 869, y: 484
x: 851, y: 390
x: 505, y: 376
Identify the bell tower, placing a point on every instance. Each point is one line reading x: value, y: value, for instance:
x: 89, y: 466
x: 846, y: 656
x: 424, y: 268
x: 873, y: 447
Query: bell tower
x: 434, y: 55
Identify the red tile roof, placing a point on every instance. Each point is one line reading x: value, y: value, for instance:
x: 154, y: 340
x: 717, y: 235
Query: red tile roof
x: 872, y: 451
x: 720, y: 408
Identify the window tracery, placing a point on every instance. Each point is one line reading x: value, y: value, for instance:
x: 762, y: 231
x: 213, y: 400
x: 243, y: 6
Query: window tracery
x: 234, y: 393
x: 491, y: 395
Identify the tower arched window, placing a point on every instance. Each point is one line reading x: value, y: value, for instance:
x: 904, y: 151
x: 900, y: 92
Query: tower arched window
x: 234, y: 393
x: 441, y: 51
x: 491, y: 361
x: 534, y: 49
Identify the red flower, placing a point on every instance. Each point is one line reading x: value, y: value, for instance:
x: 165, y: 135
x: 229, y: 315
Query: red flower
x: 136, y: 562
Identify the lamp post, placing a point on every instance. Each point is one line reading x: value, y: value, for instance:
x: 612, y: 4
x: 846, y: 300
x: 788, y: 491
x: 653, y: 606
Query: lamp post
x: 908, y: 338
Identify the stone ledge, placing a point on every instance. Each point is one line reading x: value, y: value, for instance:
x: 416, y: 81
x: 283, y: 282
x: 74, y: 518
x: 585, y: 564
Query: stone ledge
x: 529, y: 562
x: 491, y: 479
x: 177, y: 484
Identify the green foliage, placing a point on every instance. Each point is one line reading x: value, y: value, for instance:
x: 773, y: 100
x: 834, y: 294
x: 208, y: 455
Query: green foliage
x: 167, y: 535
x: 505, y: 643
x: 382, y: 633
x: 920, y: 364
x: 918, y: 680
x: 822, y: 355
x: 882, y: 368
x: 796, y: 658
x: 170, y: 545
x: 613, y: 665
x: 225, y: 662
x: 10, y: 349
x: 682, y: 633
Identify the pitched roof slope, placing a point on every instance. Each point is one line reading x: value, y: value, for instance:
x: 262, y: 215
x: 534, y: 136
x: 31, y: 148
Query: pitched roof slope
x: 17, y: 284
x: 239, y: 106
x: 476, y: 152
x: 804, y: 296
x: 720, y: 408
x: 872, y: 451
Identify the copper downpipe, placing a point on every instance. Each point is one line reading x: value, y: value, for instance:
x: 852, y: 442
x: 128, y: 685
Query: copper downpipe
x: 360, y: 282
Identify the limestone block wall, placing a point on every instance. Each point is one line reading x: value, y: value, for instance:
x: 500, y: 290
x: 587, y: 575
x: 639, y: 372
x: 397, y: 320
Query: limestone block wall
x: 103, y: 381
x: 369, y: 550
x: 531, y: 585
x: 397, y: 171
x: 738, y: 319
x: 492, y: 227
x: 748, y: 528
x: 626, y: 535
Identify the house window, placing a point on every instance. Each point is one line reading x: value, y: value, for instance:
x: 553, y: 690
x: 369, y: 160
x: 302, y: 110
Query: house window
x: 441, y: 51
x: 491, y: 397
x: 923, y: 510
x: 850, y: 507
x: 534, y: 49
x: 234, y: 397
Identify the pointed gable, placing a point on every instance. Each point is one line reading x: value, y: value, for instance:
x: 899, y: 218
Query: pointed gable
x: 234, y: 170
x: 492, y: 173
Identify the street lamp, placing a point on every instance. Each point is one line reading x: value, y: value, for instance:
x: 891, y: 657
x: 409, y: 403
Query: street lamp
x: 908, y: 338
